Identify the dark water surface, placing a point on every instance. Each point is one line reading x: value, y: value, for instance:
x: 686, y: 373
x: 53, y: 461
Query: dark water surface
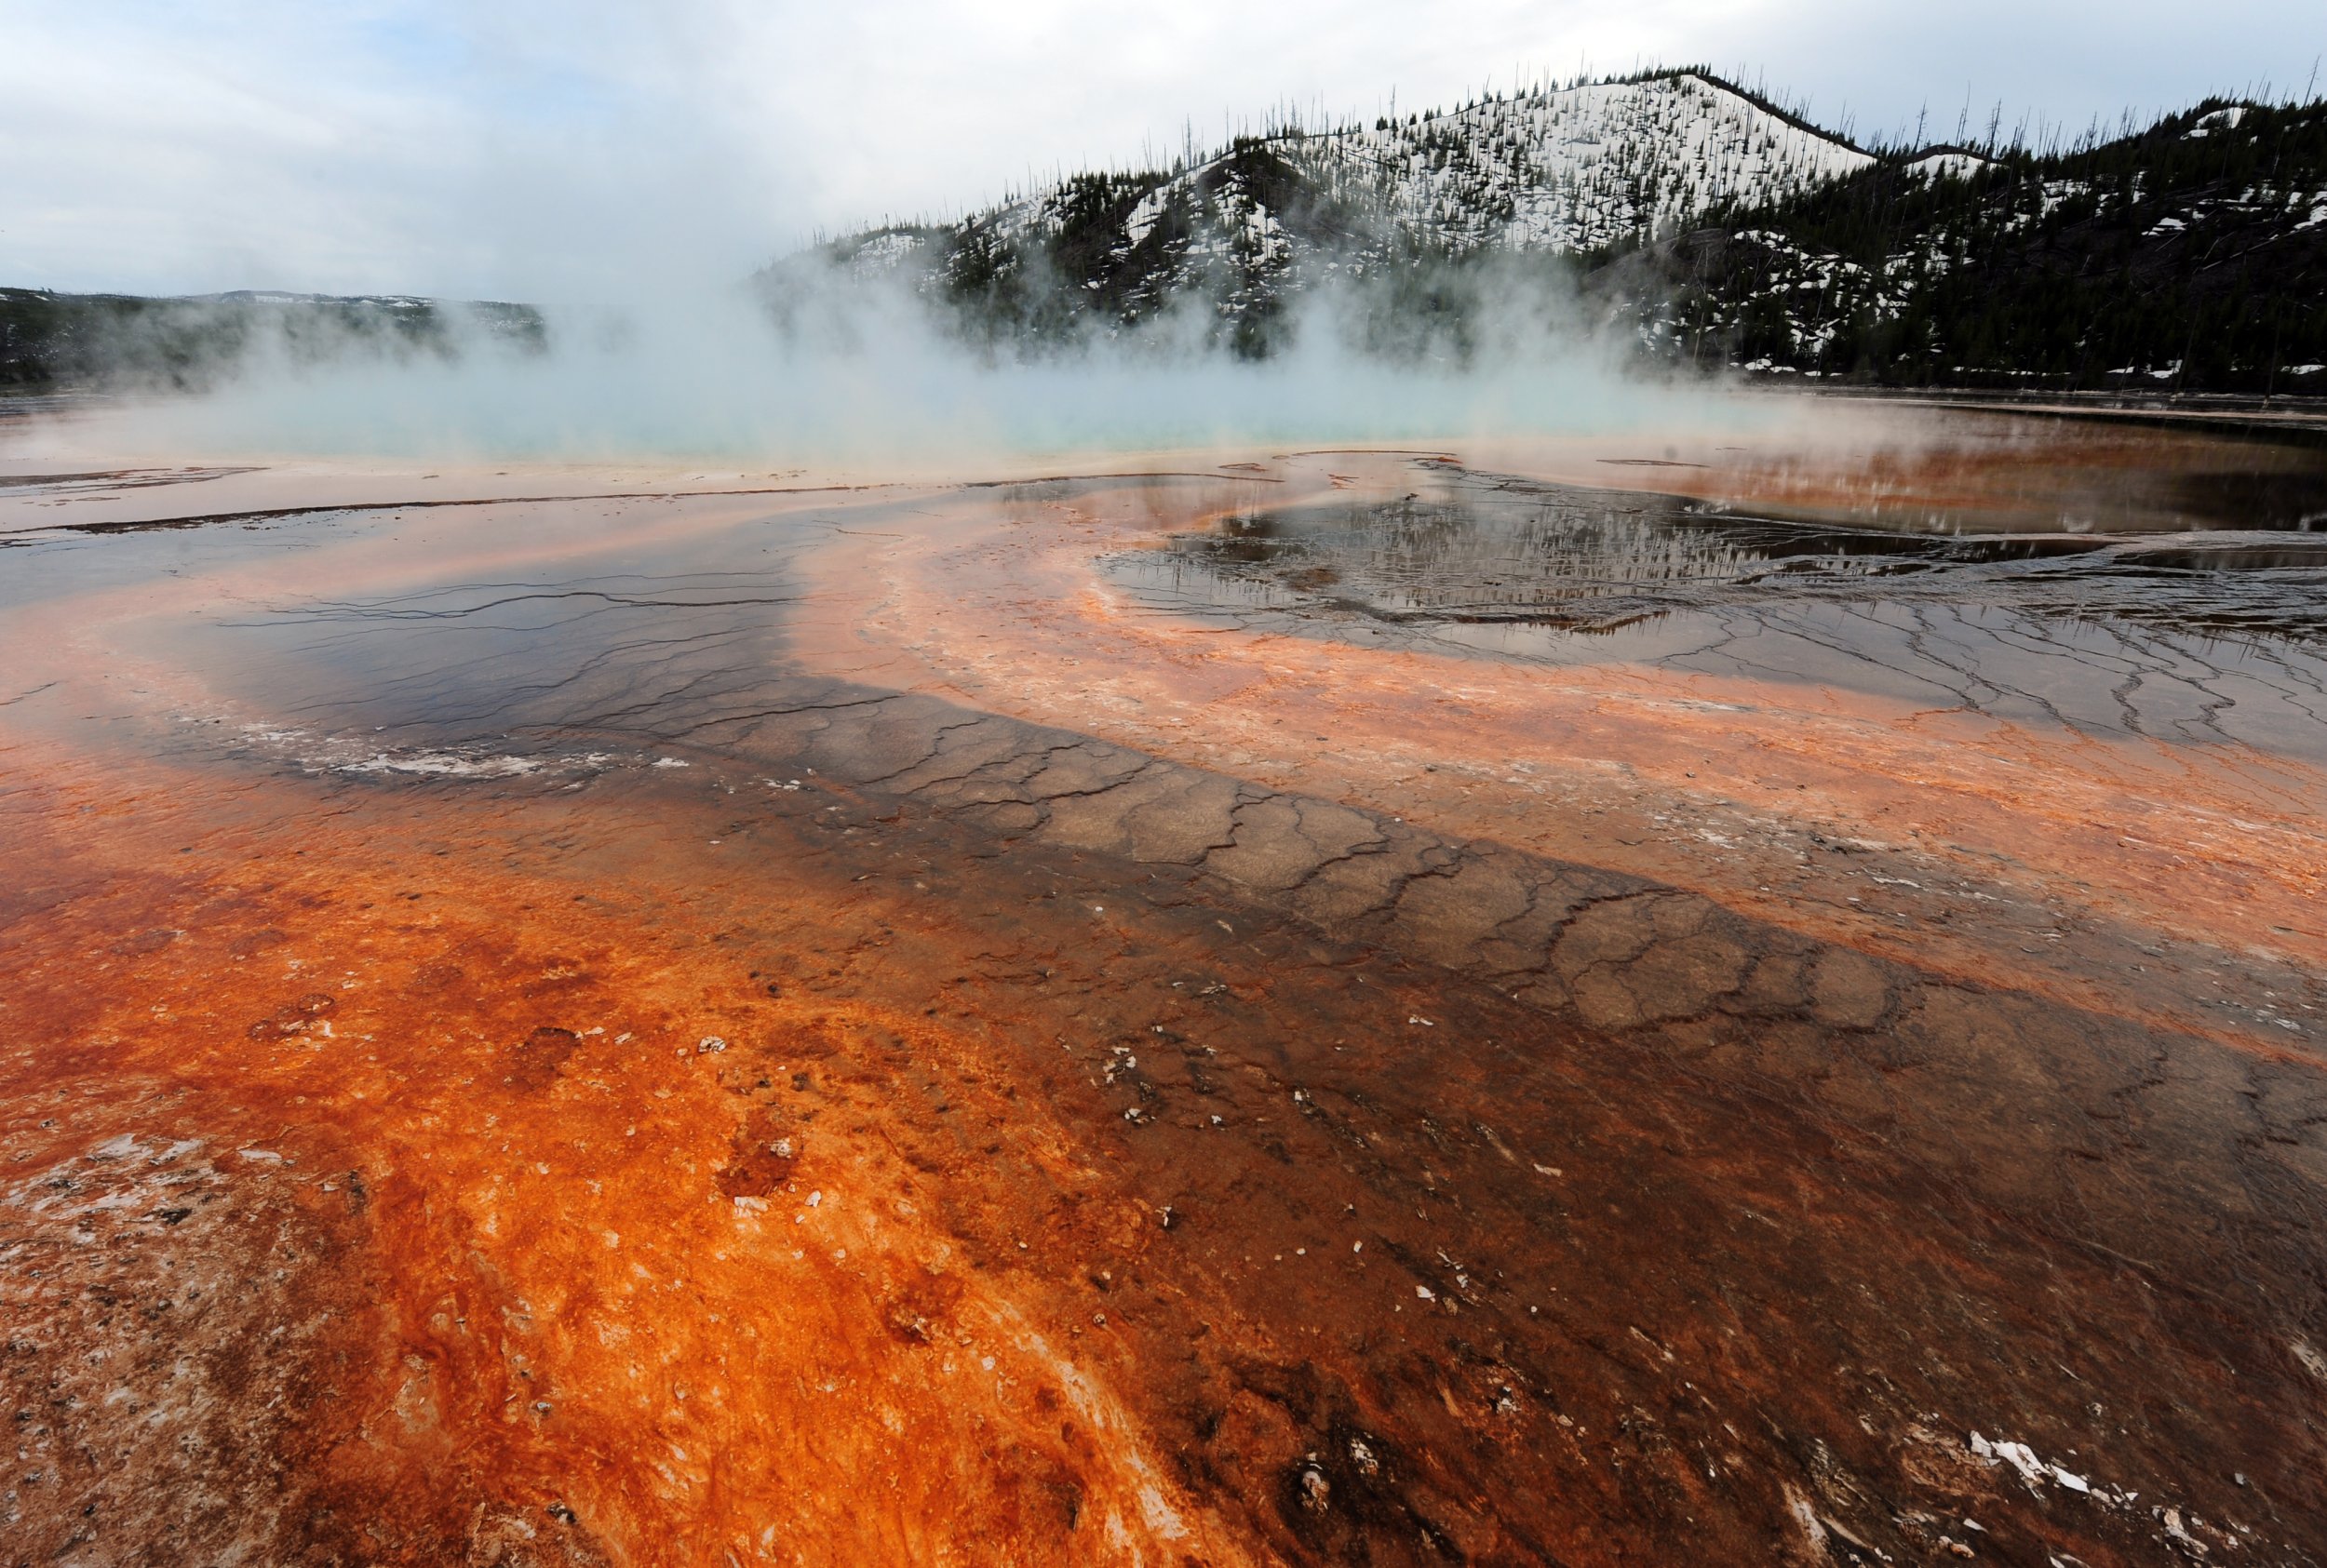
x: 2218, y: 635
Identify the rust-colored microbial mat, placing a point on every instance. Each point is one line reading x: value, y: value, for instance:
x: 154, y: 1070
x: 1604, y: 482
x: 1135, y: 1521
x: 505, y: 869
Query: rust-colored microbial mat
x: 1298, y: 1008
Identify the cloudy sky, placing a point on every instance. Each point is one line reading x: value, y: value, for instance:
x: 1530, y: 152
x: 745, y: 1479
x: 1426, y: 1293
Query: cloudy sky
x: 520, y: 148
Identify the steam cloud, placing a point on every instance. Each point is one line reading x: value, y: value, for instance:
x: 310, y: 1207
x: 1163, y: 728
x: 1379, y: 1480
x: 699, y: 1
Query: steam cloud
x: 858, y: 373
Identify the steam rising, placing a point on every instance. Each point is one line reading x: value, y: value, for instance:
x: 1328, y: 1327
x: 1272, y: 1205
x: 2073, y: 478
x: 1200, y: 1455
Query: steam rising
x: 851, y: 373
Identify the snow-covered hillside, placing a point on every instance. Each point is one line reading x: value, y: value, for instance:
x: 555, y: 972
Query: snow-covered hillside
x: 1707, y: 222
x: 1572, y: 170
x: 2187, y: 255
x: 1584, y: 168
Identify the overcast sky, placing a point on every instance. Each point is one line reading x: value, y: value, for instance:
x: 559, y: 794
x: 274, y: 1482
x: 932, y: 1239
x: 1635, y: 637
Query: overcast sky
x: 524, y: 149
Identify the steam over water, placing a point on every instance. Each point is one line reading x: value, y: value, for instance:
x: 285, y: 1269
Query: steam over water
x: 854, y: 373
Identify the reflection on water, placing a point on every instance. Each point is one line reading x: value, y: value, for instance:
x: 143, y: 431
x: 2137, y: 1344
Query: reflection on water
x: 1476, y: 552
x: 2194, y: 637
x: 457, y: 663
x: 1985, y: 471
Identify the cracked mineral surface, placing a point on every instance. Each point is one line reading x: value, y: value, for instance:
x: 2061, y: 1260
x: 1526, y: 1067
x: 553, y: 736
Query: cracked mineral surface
x: 1275, y: 1008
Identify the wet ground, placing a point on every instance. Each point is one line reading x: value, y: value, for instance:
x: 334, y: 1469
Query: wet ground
x: 2210, y: 635
x: 1345, y: 1007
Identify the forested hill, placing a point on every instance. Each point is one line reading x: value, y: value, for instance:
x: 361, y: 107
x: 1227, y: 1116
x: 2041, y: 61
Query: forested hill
x: 2189, y: 256
x: 67, y: 341
x: 1711, y: 223
x: 1244, y: 231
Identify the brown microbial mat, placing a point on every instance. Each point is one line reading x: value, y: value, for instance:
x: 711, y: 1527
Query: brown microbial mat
x: 1337, y: 1007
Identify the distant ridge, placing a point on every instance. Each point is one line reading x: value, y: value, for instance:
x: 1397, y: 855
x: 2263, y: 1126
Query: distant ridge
x: 51, y: 340
x: 1575, y: 168
x: 1717, y: 227
x: 2187, y: 256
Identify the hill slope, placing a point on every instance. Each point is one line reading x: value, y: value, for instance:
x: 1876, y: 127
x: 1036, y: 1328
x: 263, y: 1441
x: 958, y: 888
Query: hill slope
x: 2188, y: 256
x: 1713, y: 226
x: 1559, y: 170
x: 50, y: 339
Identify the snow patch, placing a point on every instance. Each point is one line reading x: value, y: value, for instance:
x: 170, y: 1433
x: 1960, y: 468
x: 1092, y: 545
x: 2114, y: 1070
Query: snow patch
x: 1949, y: 164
